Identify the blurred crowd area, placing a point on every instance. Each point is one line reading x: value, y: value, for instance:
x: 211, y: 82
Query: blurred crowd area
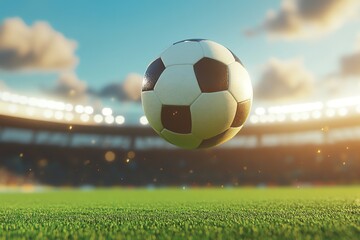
x: 328, y: 164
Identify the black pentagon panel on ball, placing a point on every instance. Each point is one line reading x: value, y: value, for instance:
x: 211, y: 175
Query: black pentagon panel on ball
x: 242, y: 112
x: 213, y: 141
x: 211, y: 75
x: 236, y: 58
x: 190, y: 40
x: 152, y: 74
x: 176, y: 118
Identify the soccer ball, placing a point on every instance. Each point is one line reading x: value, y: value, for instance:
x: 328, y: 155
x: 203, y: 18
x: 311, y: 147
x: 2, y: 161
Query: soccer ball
x: 197, y: 94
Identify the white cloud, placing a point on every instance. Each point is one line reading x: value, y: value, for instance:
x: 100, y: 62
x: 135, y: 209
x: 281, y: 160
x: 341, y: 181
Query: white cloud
x: 132, y: 86
x: 71, y: 87
x: 344, y: 80
x: 36, y: 47
x: 284, y: 80
x: 127, y: 90
x: 350, y: 63
x: 284, y: 22
x: 307, y: 18
x: 327, y: 13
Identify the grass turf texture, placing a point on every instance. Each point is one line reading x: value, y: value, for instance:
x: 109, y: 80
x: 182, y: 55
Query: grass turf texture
x: 279, y: 213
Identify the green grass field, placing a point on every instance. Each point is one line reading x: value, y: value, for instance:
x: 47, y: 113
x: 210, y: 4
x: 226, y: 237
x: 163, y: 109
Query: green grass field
x: 275, y: 213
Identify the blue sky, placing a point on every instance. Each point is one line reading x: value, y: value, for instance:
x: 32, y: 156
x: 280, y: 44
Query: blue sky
x: 119, y: 37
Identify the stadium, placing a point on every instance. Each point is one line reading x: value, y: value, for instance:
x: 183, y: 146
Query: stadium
x: 103, y: 135
x: 45, y: 141
x: 47, y: 144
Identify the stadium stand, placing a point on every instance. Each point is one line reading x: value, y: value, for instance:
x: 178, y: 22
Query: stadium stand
x: 54, y: 143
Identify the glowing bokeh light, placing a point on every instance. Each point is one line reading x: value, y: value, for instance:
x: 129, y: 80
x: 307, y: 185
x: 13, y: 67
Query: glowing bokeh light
x: 106, y: 111
x: 143, y: 120
x: 109, y: 156
x: 109, y: 119
x: 98, y: 118
x: 120, y: 119
x: 84, y: 117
